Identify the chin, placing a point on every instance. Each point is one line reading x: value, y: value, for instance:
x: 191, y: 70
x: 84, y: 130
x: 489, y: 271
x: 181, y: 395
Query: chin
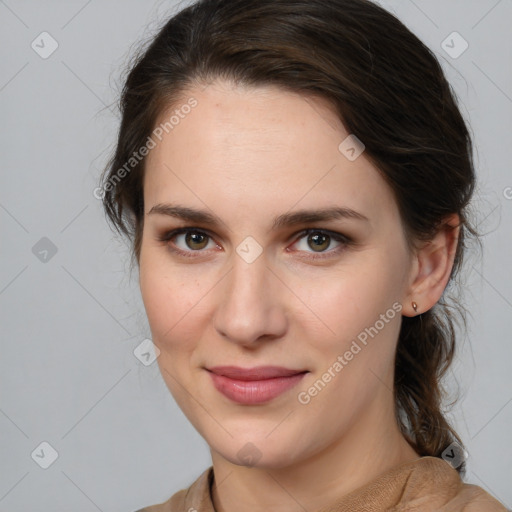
x: 258, y: 450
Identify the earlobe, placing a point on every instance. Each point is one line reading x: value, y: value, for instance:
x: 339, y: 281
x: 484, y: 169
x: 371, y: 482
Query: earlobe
x: 432, y: 269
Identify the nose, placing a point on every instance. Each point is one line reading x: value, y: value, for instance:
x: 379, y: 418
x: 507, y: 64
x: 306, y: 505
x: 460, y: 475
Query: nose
x: 250, y: 307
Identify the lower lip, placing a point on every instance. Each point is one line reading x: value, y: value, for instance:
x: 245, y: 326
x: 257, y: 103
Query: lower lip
x: 254, y: 391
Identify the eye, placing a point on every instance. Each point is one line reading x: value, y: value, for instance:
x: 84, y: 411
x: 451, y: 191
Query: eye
x: 195, y: 240
x: 318, y: 241
x: 186, y: 241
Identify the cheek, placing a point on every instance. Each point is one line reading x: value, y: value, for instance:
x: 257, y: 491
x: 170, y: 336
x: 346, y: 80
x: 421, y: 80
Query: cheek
x: 361, y: 309
x: 168, y: 297
x: 346, y: 302
x: 177, y: 301
x: 172, y: 303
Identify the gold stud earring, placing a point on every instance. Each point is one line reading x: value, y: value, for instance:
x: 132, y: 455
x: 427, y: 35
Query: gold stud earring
x: 415, y: 306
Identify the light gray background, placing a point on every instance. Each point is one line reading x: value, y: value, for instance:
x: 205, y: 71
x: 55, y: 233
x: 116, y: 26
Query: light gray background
x: 69, y: 325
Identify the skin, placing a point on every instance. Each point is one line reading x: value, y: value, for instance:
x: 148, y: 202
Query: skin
x: 247, y: 155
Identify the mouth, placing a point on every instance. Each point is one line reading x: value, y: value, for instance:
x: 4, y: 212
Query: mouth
x: 256, y: 385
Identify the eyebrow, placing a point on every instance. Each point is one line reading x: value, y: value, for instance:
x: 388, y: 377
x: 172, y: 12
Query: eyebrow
x: 281, y: 221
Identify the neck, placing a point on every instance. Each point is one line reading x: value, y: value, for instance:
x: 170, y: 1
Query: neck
x: 371, y: 447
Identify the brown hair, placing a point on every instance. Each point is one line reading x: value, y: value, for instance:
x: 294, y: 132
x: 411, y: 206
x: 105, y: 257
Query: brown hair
x: 387, y: 88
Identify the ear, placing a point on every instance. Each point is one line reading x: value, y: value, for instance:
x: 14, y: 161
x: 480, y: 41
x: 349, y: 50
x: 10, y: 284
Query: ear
x: 431, y: 268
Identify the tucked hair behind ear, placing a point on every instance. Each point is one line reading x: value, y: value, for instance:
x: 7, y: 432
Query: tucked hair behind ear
x: 387, y: 88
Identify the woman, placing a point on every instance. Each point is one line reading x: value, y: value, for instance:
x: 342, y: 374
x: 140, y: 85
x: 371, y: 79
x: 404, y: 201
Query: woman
x: 294, y: 176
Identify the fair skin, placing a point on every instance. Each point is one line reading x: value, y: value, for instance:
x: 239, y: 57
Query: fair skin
x: 247, y: 155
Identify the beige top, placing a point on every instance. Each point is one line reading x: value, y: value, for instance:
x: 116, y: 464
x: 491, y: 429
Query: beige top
x: 426, y: 484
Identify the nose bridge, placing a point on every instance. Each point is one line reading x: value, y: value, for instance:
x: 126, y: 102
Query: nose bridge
x: 249, y: 306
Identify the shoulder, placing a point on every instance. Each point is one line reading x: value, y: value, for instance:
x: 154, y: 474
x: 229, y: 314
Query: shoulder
x: 431, y: 481
x: 426, y: 484
x: 196, y: 498
x: 472, y: 498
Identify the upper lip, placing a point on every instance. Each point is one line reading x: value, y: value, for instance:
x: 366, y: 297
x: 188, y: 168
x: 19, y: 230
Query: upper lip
x: 255, y: 373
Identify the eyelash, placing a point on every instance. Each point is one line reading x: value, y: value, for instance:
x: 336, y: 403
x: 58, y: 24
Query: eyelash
x: 338, y: 237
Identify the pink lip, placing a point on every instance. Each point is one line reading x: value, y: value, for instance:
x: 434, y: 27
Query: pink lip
x: 254, y: 385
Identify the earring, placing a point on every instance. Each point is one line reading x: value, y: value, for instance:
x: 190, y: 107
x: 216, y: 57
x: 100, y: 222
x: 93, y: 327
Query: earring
x: 415, y: 306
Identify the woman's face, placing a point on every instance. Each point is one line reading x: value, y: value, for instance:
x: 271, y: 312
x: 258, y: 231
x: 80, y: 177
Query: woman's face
x: 255, y: 284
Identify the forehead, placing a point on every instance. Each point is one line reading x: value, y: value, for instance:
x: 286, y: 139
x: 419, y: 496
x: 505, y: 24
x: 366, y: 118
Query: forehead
x: 258, y: 147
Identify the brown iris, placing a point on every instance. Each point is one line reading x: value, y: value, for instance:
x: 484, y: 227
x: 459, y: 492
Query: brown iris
x: 319, y: 241
x: 196, y: 240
